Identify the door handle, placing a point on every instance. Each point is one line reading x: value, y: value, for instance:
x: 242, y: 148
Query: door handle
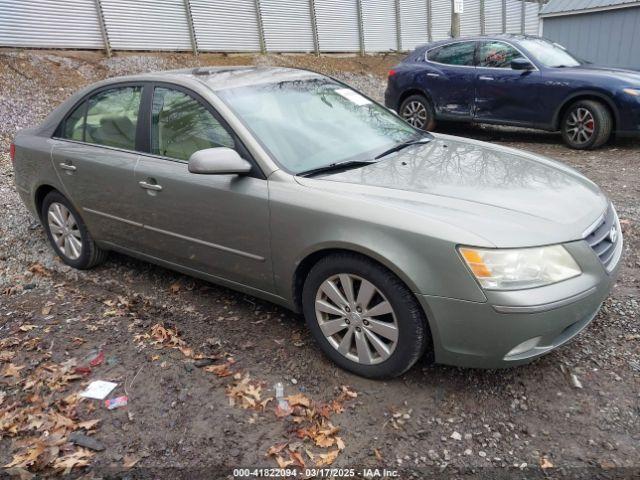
x: 150, y: 186
x: 432, y: 75
x: 485, y: 77
x: 66, y: 166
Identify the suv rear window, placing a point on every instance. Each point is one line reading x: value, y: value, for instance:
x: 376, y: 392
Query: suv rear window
x: 460, y: 53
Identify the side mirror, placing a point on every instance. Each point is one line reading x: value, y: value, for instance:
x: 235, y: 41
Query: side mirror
x: 218, y: 161
x: 521, y: 64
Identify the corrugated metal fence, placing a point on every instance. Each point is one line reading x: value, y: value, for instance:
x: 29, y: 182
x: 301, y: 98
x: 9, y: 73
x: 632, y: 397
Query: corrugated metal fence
x: 254, y: 25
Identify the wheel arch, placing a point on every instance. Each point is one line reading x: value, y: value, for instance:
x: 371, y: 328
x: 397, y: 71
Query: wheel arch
x: 39, y: 195
x: 310, y: 258
x: 585, y: 95
x: 413, y: 91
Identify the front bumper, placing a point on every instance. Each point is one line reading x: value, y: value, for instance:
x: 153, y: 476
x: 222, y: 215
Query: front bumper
x: 484, y: 335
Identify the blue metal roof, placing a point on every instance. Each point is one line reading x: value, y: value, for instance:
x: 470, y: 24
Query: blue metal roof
x: 558, y: 7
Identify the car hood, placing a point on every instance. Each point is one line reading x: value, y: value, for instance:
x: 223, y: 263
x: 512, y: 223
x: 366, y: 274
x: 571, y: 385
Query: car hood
x: 631, y: 77
x: 508, y: 197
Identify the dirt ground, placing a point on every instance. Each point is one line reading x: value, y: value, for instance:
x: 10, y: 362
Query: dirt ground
x: 198, y: 362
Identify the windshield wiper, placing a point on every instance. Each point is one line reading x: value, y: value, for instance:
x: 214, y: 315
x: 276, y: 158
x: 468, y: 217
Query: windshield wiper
x: 403, y: 145
x: 336, y: 166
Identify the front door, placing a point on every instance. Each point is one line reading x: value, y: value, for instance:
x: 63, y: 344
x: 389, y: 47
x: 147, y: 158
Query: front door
x: 450, y: 79
x: 504, y: 94
x: 94, y: 155
x: 215, y: 224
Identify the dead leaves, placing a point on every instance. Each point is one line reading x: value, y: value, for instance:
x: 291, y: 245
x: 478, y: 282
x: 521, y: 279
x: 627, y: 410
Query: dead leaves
x: 222, y: 370
x: 164, y: 337
x: 246, y: 393
x: 39, y: 269
x: 38, y: 418
x: 314, y: 427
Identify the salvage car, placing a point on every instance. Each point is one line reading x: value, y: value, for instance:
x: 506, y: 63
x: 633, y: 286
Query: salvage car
x: 293, y: 187
x: 516, y: 80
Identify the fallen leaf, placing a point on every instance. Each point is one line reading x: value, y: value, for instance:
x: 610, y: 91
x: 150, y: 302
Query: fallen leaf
x: 80, y: 458
x: 130, y: 460
x: 297, y: 459
x: 27, y: 328
x: 282, y: 463
x: 274, y: 450
x: 327, y: 458
x: 298, y: 399
x: 545, y: 463
x: 38, y: 269
x: 6, y: 355
x: 339, y: 443
x: 378, y: 455
x: 12, y: 370
x: 89, y: 424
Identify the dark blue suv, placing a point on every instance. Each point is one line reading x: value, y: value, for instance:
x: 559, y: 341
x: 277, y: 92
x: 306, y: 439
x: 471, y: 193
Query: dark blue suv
x: 515, y: 80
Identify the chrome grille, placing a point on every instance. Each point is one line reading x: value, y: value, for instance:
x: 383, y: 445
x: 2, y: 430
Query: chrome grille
x: 602, y: 239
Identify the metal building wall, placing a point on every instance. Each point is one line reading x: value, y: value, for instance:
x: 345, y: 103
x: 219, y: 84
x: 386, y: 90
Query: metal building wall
x: 492, y: 16
x: 287, y: 25
x: 514, y: 16
x: 378, y: 18
x: 223, y: 26
x: 440, y: 19
x: 252, y: 25
x: 338, y: 29
x: 413, y: 23
x: 532, y: 11
x: 47, y: 23
x: 147, y: 24
x: 607, y: 38
x: 470, y: 19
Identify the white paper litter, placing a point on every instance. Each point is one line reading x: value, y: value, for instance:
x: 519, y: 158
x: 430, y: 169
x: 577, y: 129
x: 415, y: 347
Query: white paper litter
x: 353, y: 96
x: 98, y: 389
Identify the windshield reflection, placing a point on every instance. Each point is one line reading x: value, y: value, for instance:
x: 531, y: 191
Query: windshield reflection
x: 312, y: 122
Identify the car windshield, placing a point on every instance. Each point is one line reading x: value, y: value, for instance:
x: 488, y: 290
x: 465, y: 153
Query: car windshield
x: 548, y: 53
x: 314, y: 122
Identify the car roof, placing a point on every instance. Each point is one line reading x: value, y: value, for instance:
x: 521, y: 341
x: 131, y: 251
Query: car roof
x: 221, y: 78
x: 515, y: 37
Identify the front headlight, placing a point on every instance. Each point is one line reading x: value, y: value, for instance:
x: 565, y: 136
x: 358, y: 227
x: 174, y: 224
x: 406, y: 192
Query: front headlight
x: 516, y: 269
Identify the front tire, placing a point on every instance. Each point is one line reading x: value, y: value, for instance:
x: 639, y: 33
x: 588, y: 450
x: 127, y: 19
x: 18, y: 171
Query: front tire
x: 418, y: 112
x: 363, y: 317
x: 586, y: 125
x: 68, y: 234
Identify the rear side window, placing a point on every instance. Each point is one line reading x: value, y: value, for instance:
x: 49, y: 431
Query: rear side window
x: 461, y: 53
x: 181, y: 125
x: 497, y: 55
x: 112, y: 118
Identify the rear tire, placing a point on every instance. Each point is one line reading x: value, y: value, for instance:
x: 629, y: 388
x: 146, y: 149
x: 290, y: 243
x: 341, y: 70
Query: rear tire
x: 418, y: 111
x: 376, y: 328
x: 587, y: 124
x: 68, y: 234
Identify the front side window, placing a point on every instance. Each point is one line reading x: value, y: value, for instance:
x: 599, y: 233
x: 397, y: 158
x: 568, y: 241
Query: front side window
x: 181, y: 126
x: 314, y: 122
x: 497, y: 55
x: 112, y: 118
x: 461, y: 53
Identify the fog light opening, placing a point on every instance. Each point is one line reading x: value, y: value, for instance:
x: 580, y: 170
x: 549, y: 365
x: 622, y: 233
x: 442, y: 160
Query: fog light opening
x: 525, y: 346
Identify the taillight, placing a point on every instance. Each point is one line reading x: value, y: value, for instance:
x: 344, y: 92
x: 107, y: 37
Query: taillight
x: 392, y: 73
x: 12, y: 152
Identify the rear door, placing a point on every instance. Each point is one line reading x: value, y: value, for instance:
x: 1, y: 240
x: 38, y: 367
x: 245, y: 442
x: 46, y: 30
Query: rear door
x: 450, y: 81
x: 94, y: 154
x: 215, y: 224
x: 503, y: 94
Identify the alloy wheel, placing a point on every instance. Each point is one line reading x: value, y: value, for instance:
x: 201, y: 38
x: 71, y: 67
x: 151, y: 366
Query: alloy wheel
x: 580, y: 125
x: 356, y: 319
x: 64, y: 230
x: 415, y: 113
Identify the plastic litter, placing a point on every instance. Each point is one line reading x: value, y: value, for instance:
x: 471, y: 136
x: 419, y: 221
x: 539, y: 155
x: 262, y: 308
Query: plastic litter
x: 282, y: 403
x: 98, y: 390
x: 117, y: 402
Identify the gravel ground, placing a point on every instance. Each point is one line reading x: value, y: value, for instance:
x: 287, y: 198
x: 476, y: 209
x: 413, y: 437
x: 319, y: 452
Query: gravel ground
x: 572, y: 413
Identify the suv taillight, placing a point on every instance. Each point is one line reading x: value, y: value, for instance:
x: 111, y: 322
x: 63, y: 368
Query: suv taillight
x: 392, y: 72
x: 12, y: 152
